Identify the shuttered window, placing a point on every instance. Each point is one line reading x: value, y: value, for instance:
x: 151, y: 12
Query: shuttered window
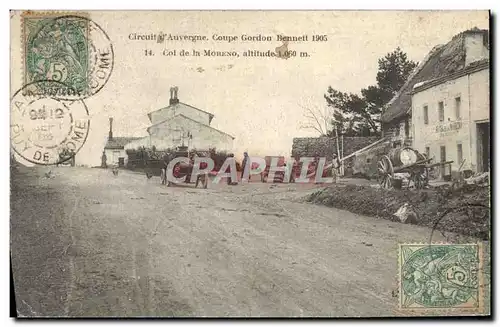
x: 441, y: 111
x: 458, y: 104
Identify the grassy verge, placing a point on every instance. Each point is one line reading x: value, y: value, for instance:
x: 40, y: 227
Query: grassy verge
x: 465, y: 211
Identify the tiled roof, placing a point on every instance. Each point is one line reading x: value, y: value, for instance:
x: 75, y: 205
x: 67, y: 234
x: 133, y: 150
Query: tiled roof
x: 180, y: 105
x: 471, y: 68
x: 441, y: 61
x: 119, y: 142
x: 185, y: 117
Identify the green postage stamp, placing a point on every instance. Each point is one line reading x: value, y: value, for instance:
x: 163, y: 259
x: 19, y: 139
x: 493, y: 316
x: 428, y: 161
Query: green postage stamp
x: 436, y: 277
x: 56, y: 49
x: 71, y: 50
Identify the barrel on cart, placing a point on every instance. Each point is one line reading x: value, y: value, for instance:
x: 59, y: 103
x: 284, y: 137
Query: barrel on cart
x: 402, y: 160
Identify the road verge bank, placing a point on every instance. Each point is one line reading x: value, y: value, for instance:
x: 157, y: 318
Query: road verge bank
x: 465, y: 211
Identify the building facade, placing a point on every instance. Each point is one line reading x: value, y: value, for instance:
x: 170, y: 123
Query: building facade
x: 180, y: 124
x: 451, y: 117
x: 443, y: 60
x: 451, y: 81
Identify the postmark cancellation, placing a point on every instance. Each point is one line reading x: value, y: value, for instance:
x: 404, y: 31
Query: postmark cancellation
x: 435, y: 278
x: 47, y: 130
x: 66, y: 48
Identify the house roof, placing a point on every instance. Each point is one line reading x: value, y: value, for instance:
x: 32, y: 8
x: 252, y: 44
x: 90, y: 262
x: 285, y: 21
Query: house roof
x: 441, y: 61
x: 179, y: 104
x: 119, y: 142
x: 185, y: 117
x: 471, y: 68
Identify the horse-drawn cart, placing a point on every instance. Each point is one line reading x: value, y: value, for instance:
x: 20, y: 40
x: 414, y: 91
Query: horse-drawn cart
x: 184, y: 169
x: 279, y: 176
x: 409, y: 161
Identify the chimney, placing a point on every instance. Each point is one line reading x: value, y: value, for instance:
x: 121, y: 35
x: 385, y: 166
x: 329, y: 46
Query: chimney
x: 173, y: 95
x: 110, y: 128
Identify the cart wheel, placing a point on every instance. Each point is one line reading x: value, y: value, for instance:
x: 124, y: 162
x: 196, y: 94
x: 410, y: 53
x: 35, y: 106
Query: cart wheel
x: 385, y: 172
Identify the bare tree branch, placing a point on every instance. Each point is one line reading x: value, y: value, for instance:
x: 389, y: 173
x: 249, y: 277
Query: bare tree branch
x: 309, y: 126
x: 316, y: 120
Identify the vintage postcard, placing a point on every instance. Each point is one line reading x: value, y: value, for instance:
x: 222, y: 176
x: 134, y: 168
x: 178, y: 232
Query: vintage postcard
x: 250, y: 163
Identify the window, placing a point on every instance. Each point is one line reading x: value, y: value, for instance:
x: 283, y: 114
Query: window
x: 460, y: 155
x: 441, y: 110
x: 407, y: 128
x: 443, y: 153
x: 458, y: 103
x: 426, y: 115
x: 427, y: 152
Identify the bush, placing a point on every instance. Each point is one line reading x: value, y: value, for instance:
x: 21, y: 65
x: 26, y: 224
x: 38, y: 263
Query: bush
x: 151, y: 157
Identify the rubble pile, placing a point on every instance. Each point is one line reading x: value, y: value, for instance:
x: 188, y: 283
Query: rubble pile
x: 464, y: 211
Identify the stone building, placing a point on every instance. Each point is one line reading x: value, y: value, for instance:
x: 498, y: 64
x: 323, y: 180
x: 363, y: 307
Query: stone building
x: 443, y: 60
x: 182, y: 124
x: 451, y: 117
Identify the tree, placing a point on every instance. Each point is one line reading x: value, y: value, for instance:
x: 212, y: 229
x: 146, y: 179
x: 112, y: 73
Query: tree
x: 360, y: 114
x: 317, y: 119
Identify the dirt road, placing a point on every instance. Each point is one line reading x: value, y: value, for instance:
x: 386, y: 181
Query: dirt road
x: 87, y: 243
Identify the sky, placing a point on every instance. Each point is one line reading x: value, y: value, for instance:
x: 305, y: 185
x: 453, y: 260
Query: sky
x: 260, y: 101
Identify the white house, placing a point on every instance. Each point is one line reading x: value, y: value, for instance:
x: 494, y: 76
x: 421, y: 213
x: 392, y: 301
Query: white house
x: 443, y: 108
x: 450, y: 107
x: 453, y: 57
x: 182, y: 124
x: 451, y: 117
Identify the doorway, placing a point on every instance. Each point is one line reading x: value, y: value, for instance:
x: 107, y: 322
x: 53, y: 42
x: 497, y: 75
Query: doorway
x: 442, y: 156
x: 116, y: 155
x: 483, y: 147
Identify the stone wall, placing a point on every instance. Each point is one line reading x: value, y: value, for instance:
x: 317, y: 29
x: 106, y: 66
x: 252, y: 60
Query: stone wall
x: 327, y: 146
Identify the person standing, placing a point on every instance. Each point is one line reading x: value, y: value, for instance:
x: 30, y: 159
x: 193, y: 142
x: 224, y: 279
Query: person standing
x: 335, y: 167
x: 295, y: 169
x: 314, y: 168
x: 228, y: 170
x: 245, y: 166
